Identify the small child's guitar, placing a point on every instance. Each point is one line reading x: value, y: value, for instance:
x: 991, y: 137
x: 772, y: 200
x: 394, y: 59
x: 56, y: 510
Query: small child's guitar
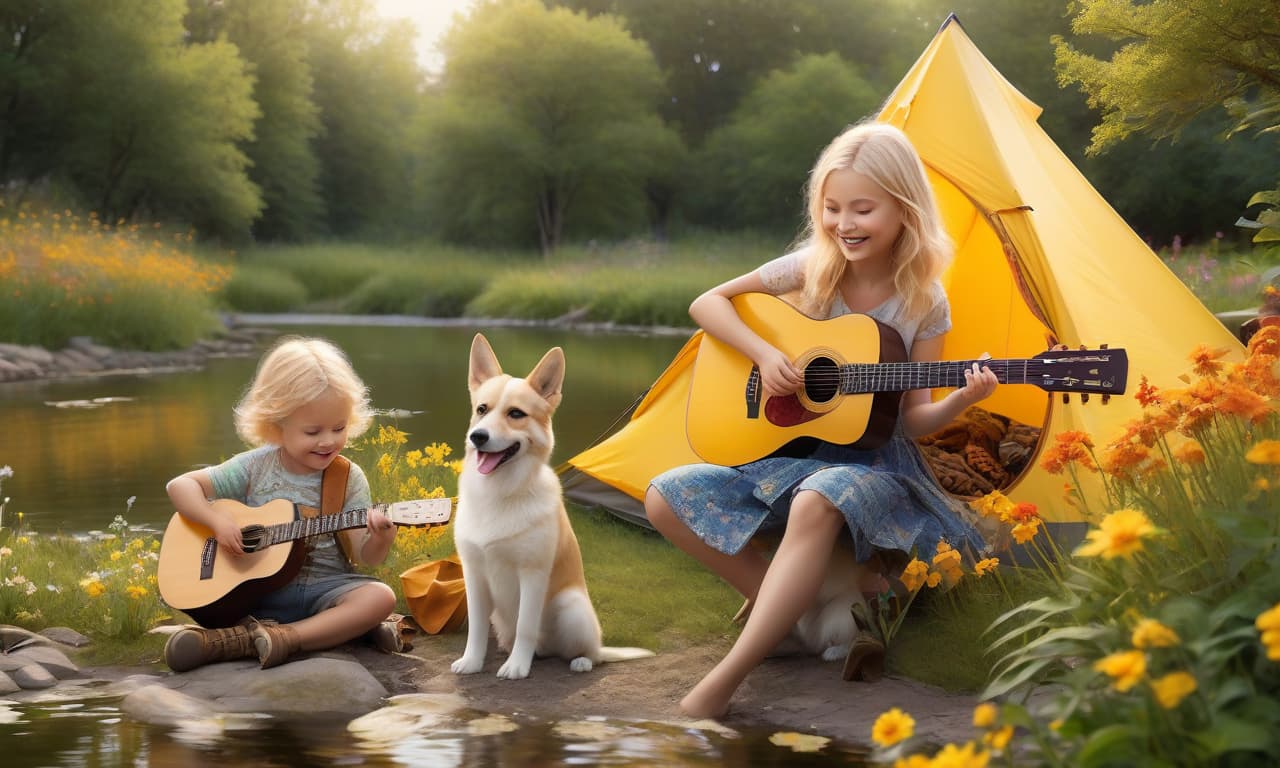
x: 216, y: 589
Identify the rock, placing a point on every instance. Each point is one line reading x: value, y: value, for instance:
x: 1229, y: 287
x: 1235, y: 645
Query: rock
x: 86, y: 345
x: 33, y: 676
x: 159, y: 705
x: 12, y: 638
x: 53, y: 660
x: 65, y: 636
x: 7, y: 685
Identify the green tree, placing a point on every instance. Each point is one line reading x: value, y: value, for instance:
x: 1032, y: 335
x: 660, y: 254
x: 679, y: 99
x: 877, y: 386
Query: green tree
x: 368, y: 87
x: 752, y: 170
x: 269, y: 35
x: 543, y: 116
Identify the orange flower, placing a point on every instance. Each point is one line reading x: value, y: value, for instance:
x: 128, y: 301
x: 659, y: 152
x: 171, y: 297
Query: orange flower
x: 1205, y: 391
x: 1069, y: 446
x: 1206, y: 360
x: 1024, y: 511
x: 1189, y: 452
x: 1245, y: 403
x: 1196, y: 419
x: 1266, y: 341
x: 1146, y: 395
x: 1260, y: 372
x: 1121, y: 459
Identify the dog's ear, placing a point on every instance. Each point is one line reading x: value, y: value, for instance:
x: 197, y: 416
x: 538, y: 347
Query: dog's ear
x: 484, y: 364
x: 547, y: 376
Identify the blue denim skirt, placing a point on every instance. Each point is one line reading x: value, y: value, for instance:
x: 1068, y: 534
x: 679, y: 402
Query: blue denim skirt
x: 889, y: 499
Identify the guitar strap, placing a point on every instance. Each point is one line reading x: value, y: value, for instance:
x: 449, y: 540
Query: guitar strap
x: 333, y: 492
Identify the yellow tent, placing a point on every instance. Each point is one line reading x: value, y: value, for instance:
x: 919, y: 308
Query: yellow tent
x: 1039, y: 254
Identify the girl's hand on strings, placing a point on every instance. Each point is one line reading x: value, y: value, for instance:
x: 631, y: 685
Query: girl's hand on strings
x: 778, y: 375
x: 979, y: 383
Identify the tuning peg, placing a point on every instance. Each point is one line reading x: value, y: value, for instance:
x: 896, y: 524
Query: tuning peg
x: 1102, y: 346
x: 1082, y: 347
x: 1084, y: 397
x: 1106, y: 399
x: 1066, y: 398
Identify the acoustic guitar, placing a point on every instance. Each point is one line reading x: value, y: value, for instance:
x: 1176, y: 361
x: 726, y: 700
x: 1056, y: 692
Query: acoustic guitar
x: 217, y: 589
x: 855, y: 373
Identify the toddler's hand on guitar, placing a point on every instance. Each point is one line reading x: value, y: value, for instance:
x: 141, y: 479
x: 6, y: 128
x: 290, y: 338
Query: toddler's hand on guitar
x: 778, y: 375
x: 227, y: 533
x: 979, y: 383
x: 378, y: 525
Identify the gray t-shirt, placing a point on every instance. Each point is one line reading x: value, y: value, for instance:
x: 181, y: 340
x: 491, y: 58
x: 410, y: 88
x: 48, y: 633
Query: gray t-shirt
x: 786, y: 273
x: 256, y: 476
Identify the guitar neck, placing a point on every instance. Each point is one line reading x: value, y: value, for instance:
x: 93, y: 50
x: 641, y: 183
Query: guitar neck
x: 306, y: 527
x: 861, y: 378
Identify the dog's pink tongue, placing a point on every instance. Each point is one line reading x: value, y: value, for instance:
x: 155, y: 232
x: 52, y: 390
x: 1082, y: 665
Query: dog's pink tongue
x: 487, y: 462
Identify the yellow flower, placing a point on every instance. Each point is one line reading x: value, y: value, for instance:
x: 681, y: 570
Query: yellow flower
x: 1171, y: 689
x: 1119, y: 534
x: 385, y: 463
x: 1268, y: 619
x: 136, y: 591
x: 1024, y: 532
x: 1150, y: 633
x: 1264, y: 452
x: 913, y: 761
x: 952, y: 756
x: 892, y: 727
x: 999, y: 739
x: 934, y: 579
x: 985, y: 715
x: 413, y: 459
x: 115, y: 555
x: 1125, y: 668
x: 95, y: 588
x: 983, y: 567
x: 913, y: 576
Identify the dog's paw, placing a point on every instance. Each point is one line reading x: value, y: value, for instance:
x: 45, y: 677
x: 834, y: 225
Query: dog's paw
x: 466, y: 666
x: 835, y: 652
x: 514, y: 669
x: 581, y: 664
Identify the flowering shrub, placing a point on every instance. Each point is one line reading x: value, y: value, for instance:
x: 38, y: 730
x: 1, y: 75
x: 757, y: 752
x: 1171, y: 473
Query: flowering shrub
x: 62, y: 275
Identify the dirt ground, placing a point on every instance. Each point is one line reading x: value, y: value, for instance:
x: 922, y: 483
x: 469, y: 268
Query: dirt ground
x: 800, y: 693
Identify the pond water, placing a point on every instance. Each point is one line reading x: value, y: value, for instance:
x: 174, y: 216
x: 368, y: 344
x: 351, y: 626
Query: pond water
x: 94, y: 733
x: 76, y: 462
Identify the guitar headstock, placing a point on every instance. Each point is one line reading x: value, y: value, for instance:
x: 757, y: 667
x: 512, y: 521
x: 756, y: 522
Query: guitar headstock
x: 1083, y: 371
x: 420, y: 512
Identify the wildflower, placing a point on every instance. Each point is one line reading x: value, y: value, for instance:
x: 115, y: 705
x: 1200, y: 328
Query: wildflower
x: 985, y: 715
x: 1268, y: 623
x: 994, y: 504
x: 385, y: 464
x: 892, y: 727
x: 1146, y: 395
x: 983, y: 567
x: 116, y: 555
x: 952, y: 756
x: 136, y: 592
x: 413, y: 459
x: 1171, y: 689
x: 1264, y: 452
x: 95, y: 588
x: 1119, y: 534
x: 934, y: 580
x: 5, y: 551
x: 999, y: 739
x: 1024, y: 511
x: 1024, y: 532
x: 6, y: 472
x: 914, y: 575
x: 1189, y: 452
x: 1068, y: 447
x: 1239, y: 400
x: 1125, y: 668
x: 1266, y: 341
x: 1206, y: 360
x: 1150, y: 633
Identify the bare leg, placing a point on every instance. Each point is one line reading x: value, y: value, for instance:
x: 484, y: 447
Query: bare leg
x: 743, y: 571
x: 789, y: 587
x: 354, y: 614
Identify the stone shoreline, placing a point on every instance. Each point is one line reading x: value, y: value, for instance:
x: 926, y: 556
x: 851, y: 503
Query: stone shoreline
x: 84, y: 357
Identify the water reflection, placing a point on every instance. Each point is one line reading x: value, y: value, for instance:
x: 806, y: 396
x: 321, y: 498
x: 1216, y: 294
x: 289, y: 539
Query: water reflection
x: 74, y: 467
x: 96, y: 736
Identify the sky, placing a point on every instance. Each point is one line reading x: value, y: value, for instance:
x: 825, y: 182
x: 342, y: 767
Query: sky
x: 431, y: 17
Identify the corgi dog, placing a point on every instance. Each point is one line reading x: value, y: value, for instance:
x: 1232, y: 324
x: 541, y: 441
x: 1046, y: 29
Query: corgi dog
x: 520, y: 559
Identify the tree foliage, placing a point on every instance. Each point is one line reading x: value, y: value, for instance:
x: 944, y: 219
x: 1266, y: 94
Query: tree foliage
x: 543, y: 116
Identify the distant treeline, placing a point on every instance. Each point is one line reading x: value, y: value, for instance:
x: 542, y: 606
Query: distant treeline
x: 564, y: 120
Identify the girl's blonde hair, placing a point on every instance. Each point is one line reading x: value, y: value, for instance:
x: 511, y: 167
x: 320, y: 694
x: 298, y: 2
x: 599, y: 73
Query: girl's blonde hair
x: 294, y: 372
x: 885, y: 155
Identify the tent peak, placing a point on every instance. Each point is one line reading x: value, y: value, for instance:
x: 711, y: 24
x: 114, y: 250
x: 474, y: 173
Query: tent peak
x: 952, y: 18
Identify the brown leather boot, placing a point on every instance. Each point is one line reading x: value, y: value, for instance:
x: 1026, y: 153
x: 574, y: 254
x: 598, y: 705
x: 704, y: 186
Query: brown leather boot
x: 274, y: 642
x: 194, y: 647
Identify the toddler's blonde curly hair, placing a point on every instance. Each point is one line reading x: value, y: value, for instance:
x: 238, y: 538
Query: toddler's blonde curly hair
x: 294, y: 372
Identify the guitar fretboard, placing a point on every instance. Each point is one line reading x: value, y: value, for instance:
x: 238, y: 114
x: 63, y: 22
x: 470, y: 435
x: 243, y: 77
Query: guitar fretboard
x: 321, y: 524
x: 861, y: 378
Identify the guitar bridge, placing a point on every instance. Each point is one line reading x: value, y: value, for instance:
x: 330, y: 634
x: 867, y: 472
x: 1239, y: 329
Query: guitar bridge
x: 753, y: 393
x: 208, y: 553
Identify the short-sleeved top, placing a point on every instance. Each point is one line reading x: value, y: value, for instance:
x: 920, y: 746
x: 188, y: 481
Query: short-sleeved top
x: 256, y: 477
x: 786, y: 273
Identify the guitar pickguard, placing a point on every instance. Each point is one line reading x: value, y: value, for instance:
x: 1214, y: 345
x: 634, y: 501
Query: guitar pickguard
x: 787, y: 411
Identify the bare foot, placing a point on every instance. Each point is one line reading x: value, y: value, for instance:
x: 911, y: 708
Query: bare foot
x: 708, y: 699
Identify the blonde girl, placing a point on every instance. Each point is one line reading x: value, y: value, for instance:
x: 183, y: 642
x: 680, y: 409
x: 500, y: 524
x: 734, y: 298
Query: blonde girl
x: 304, y: 404
x: 873, y: 244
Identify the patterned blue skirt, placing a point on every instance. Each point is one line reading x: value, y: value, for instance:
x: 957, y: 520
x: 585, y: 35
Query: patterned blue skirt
x: 889, y: 499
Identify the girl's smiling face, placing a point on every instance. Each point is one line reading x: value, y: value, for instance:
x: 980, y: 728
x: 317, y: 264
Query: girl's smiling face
x: 314, y: 434
x: 863, y: 219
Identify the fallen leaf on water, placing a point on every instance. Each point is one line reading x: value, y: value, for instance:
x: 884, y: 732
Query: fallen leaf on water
x: 799, y: 742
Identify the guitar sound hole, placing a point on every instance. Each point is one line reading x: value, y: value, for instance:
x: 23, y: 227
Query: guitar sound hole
x: 252, y: 537
x: 821, y: 379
